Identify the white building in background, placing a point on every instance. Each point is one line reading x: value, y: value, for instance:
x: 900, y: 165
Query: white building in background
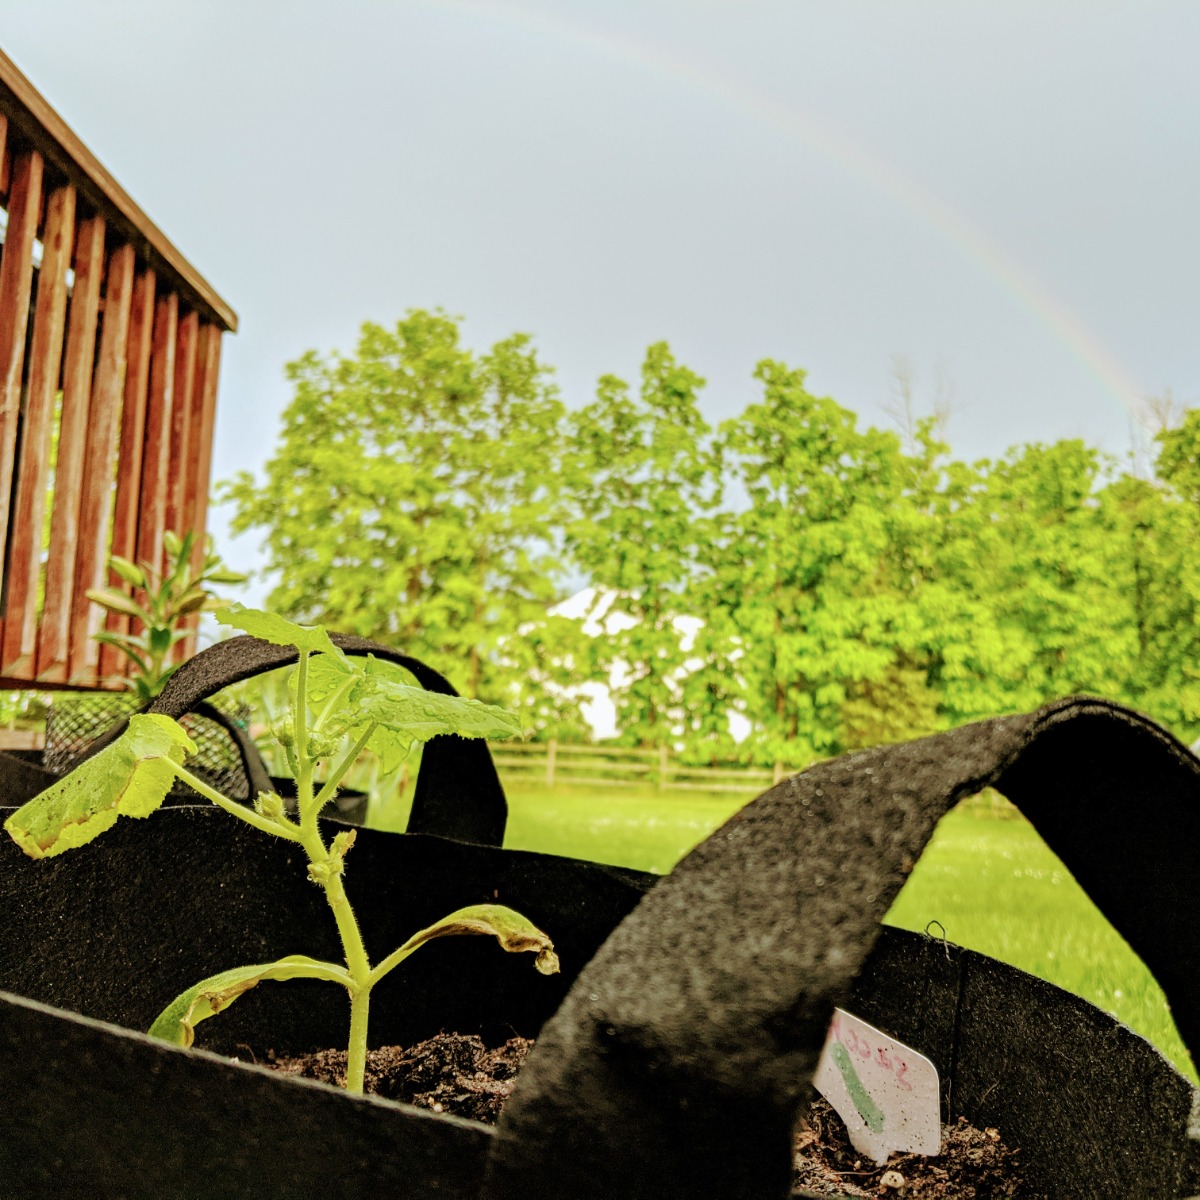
x: 598, y: 709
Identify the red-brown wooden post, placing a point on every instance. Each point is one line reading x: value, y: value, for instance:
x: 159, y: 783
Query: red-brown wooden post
x: 16, y: 279
x: 45, y: 367
x: 100, y: 456
x: 53, y: 640
x: 156, y: 448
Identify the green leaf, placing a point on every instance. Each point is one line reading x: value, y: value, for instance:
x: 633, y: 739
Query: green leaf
x: 278, y: 631
x: 128, y: 571
x: 117, y: 602
x: 225, y: 576
x: 515, y: 933
x: 177, y: 1022
x: 422, y: 715
x: 129, y: 778
x: 160, y: 639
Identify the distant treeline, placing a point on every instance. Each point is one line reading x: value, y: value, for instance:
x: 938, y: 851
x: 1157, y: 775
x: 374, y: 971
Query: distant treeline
x: 855, y: 585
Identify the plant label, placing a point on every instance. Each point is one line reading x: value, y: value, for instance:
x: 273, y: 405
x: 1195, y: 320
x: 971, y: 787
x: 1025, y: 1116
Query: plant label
x: 885, y: 1092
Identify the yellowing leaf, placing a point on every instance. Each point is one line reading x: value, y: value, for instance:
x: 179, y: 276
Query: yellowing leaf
x: 129, y: 778
x: 515, y: 933
x: 278, y: 631
x: 177, y: 1022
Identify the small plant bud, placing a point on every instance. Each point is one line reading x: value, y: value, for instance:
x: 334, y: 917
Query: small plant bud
x: 283, y: 733
x: 270, y: 805
x: 342, y: 843
x: 321, y: 873
x: 321, y: 746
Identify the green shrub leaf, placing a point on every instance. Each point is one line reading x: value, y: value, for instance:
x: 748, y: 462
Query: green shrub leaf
x: 177, y: 1022
x: 128, y: 571
x: 515, y: 933
x: 278, y: 631
x: 129, y: 778
x: 422, y: 715
x: 117, y: 602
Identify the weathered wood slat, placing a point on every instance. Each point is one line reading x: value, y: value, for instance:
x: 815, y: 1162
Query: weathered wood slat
x: 197, y: 468
x: 4, y: 163
x: 137, y: 373
x: 129, y: 463
x: 16, y: 279
x: 53, y: 638
x: 157, y: 444
x: 33, y: 475
x: 100, y: 456
x: 204, y: 416
x: 36, y: 120
x: 181, y: 420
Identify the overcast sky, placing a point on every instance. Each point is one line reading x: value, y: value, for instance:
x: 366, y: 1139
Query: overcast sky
x: 1005, y: 193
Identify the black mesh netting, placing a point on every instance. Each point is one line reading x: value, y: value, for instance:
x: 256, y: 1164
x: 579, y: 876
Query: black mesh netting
x: 73, y: 723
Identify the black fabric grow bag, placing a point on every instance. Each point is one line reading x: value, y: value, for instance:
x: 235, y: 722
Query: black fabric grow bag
x: 674, y: 1053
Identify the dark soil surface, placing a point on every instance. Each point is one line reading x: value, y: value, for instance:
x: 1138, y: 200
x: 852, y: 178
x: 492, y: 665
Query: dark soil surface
x: 974, y: 1164
x: 455, y: 1073
x: 450, y: 1073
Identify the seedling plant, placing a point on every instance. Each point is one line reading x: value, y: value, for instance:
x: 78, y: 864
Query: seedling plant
x: 160, y: 604
x: 333, y: 699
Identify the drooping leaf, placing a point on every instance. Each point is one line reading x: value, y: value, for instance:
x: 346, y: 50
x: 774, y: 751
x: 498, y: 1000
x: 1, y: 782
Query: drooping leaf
x: 278, y: 631
x: 177, y: 1022
x: 129, y: 778
x: 515, y: 933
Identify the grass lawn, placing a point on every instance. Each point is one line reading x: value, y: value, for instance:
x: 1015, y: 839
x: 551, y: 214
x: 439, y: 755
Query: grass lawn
x: 987, y: 877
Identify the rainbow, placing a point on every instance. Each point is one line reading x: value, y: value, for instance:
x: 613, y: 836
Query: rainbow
x: 948, y: 222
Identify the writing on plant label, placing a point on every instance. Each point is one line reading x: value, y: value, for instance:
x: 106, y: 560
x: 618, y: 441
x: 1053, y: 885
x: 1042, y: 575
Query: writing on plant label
x: 885, y: 1092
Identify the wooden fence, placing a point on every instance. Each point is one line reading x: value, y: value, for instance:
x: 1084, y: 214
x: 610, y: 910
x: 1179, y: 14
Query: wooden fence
x: 110, y: 343
x: 554, y: 763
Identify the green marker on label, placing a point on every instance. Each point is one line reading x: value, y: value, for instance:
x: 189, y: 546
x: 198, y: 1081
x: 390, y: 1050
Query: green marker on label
x: 870, y: 1112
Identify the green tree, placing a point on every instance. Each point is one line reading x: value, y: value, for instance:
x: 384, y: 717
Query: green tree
x: 806, y: 572
x: 414, y: 497
x: 643, y: 478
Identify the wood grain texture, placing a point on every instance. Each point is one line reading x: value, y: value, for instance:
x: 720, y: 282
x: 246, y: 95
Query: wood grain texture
x: 17, y: 659
x: 114, y: 664
x: 199, y: 468
x: 4, y: 157
x: 53, y: 636
x: 31, y: 115
x: 181, y: 422
x: 157, y: 439
x: 204, y: 407
x: 100, y: 454
x: 16, y: 279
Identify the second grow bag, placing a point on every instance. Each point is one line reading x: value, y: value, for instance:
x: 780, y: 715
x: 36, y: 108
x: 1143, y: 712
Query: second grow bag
x: 676, y: 1049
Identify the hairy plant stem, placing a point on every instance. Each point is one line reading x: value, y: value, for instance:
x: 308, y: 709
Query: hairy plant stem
x: 281, y: 828
x: 330, y: 879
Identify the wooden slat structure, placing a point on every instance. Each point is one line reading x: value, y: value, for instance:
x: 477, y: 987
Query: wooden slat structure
x: 110, y: 345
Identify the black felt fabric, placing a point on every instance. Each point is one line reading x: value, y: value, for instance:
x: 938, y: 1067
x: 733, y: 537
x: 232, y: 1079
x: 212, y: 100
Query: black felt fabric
x: 115, y: 929
x: 679, y: 1060
x: 458, y: 793
x: 100, y: 1112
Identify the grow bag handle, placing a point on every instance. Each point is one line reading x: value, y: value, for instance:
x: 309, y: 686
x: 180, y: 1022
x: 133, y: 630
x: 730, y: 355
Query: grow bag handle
x: 458, y: 793
x: 680, y: 1058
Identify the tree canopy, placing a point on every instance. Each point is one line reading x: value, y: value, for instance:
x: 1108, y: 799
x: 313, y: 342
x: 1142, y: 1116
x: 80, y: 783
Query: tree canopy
x: 832, y: 585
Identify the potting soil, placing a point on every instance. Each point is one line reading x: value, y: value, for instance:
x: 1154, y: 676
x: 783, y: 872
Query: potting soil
x: 458, y: 1074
